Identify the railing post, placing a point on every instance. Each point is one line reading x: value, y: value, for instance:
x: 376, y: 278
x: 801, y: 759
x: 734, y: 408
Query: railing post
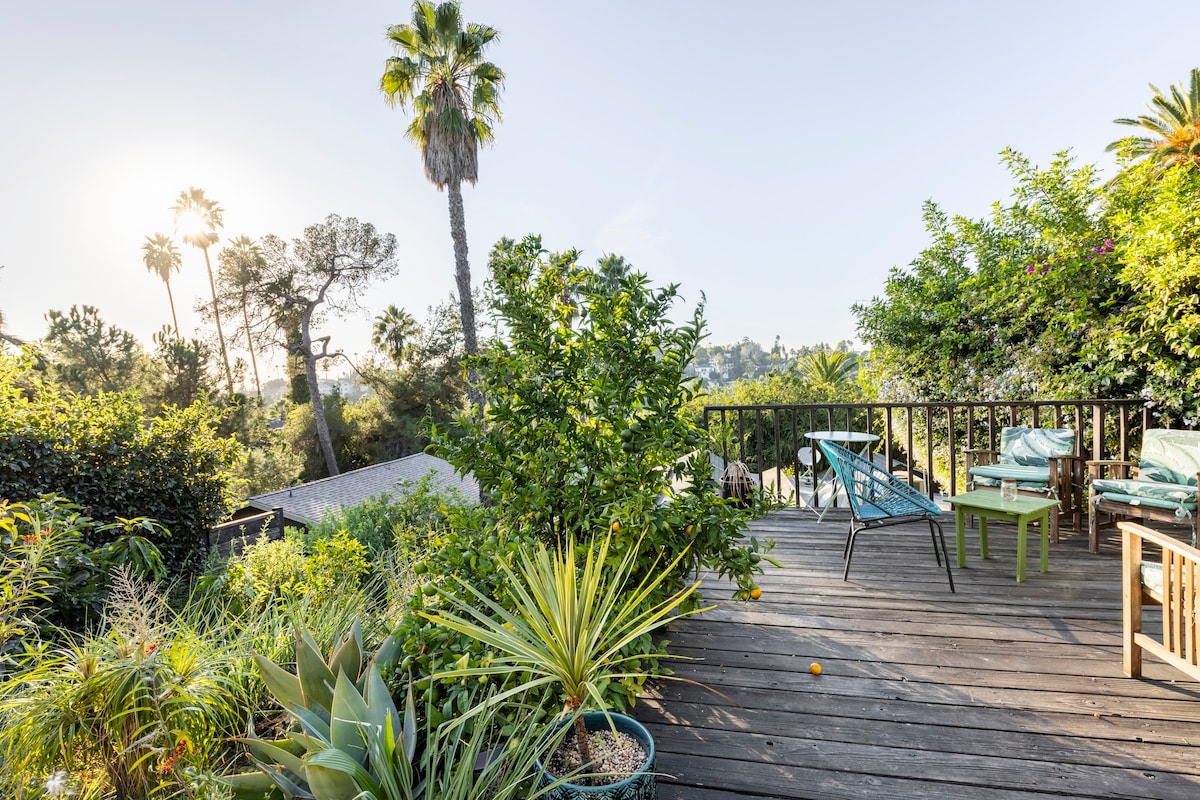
x: 1124, y: 429
x: 952, y: 439
x: 929, y: 448
x: 887, y: 433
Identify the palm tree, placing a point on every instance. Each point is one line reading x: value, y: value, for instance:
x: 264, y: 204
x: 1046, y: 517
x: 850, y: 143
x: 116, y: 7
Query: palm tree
x: 393, y: 331
x: 1175, y: 123
x: 236, y: 265
x: 197, y: 219
x: 832, y: 368
x: 454, y: 93
x: 162, y: 258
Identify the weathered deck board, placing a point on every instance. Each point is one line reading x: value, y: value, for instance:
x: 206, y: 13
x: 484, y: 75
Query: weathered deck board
x: 1000, y: 690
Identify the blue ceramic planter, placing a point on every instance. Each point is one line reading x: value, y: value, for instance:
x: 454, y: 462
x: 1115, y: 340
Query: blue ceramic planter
x: 639, y: 786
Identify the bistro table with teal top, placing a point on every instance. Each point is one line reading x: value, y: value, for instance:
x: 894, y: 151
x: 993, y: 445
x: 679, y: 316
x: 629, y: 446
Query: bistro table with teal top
x: 990, y: 504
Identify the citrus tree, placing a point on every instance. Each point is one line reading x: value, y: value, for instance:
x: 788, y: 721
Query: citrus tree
x: 585, y: 427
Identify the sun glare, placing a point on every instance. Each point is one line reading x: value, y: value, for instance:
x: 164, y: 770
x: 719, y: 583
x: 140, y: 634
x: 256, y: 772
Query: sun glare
x: 191, y: 223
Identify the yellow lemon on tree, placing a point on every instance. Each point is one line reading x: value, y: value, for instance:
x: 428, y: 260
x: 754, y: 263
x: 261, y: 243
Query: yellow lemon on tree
x: 814, y: 668
x: 616, y: 527
x: 755, y: 593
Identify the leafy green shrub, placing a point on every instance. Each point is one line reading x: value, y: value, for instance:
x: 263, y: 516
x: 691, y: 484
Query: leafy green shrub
x: 335, y: 564
x: 266, y: 570
x: 102, y: 453
x: 417, y: 505
x: 586, y: 428
x: 269, y: 572
x: 52, y: 573
x: 464, y: 547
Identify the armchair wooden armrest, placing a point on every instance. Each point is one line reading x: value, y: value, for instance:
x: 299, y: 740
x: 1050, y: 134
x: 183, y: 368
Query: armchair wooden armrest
x: 1066, y: 473
x: 1172, y: 584
x: 978, y: 457
x: 1116, y: 467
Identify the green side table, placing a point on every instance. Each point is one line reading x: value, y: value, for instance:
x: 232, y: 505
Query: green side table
x: 989, y: 504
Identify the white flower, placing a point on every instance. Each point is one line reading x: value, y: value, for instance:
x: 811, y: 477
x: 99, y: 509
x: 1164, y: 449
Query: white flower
x: 56, y: 784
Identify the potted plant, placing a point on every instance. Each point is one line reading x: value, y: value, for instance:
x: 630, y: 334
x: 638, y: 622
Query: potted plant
x: 568, y: 627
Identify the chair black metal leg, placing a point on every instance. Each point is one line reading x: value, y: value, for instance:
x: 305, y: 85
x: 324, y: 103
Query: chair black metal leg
x: 849, y: 552
x: 849, y: 539
x: 937, y: 553
x: 945, y: 554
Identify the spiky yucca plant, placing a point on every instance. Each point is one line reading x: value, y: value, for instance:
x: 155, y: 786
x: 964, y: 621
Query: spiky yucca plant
x: 569, y: 624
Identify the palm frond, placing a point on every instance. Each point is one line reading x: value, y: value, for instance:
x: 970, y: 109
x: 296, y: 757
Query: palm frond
x: 442, y: 73
x: 1175, y: 119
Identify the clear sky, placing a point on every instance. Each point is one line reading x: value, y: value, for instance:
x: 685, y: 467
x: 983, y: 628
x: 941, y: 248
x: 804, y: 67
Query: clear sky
x: 772, y: 155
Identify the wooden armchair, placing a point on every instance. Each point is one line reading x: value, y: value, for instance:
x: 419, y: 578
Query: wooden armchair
x: 1169, y: 583
x: 1164, y: 487
x: 1042, y: 461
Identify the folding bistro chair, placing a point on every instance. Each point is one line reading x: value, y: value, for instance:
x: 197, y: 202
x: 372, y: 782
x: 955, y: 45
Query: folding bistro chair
x: 879, y: 499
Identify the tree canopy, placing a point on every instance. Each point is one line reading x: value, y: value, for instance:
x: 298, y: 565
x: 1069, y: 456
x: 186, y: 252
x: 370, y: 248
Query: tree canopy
x: 297, y: 285
x: 1073, y: 289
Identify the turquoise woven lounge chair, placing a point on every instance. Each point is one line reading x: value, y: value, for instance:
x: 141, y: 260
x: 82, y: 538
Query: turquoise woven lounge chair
x: 1041, y: 460
x: 879, y: 499
x: 1164, y: 490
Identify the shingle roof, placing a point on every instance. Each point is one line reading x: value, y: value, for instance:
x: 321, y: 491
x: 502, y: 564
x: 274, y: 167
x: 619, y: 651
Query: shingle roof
x: 308, y: 503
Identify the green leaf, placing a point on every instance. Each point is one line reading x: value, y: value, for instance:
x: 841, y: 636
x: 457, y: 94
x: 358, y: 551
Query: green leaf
x: 380, y: 707
x: 333, y: 775
x: 274, y: 753
x: 287, y: 786
x: 316, y: 679
x: 349, y: 656
x: 283, y: 685
x: 349, y: 723
x: 253, y: 786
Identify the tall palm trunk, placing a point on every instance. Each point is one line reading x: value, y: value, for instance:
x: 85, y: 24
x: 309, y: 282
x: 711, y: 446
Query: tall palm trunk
x: 212, y: 285
x: 250, y: 347
x: 171, y: 300
x: 462, y: 277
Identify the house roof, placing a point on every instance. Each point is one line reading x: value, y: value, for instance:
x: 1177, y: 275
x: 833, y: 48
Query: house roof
x: 309, y: 503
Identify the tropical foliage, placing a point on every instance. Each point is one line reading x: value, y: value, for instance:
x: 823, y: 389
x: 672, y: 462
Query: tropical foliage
x: 1075, y: 289
x: 137, y: 707
x: 571, y: 624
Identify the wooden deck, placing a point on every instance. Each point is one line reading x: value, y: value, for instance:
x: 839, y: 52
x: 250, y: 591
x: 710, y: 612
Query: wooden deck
x: 1002, y: 690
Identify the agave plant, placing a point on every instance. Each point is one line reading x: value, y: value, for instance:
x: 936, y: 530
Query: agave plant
x: 308, y: 695
x: 352, y: 743
x: 569, y: 626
